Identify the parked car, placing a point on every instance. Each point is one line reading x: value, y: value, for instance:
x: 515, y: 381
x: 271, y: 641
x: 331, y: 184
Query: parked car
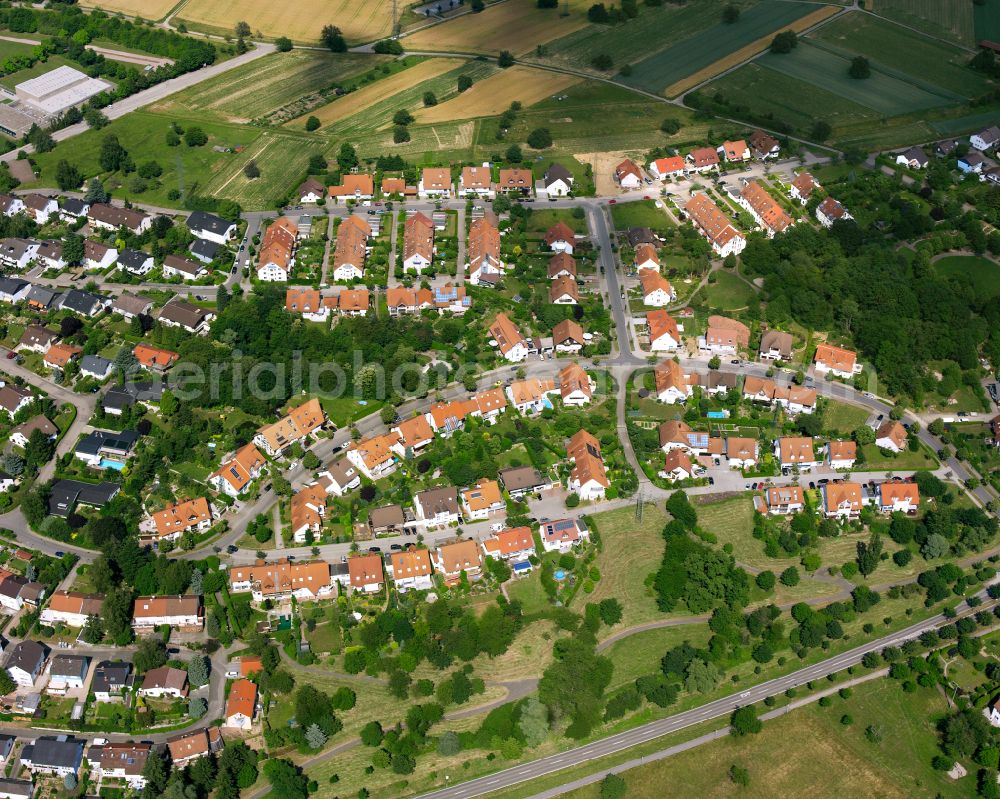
x: 375, y: 549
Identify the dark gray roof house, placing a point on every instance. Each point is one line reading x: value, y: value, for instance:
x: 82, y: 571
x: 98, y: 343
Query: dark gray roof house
x: 522, y: 479
x: 82, y: 302
x: 67, y: 493
x: 98, y: 441
x: 205, y: 250
x: 640, y: 235
x: 117, y: 400
x: 135, y: 261
x: 70, y: 206
x: 28, y: 656
x: 69, y: 666
x: 558, y: 172
x: 129, y: 305
x: 13, y: 289
x: 387, y: 518
x: 179, y: 313
x: 96, y: 366
x: 6, y: 746
x: 54, y: 753
x: 111, y: 677
x: 43, y: 297
x: 201, y: 223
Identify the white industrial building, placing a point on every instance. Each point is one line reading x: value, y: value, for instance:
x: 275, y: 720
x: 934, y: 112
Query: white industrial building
x: 62, y: 88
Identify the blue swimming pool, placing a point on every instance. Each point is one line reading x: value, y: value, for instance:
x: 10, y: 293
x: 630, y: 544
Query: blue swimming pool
x: 559, y: 574
x: 109, y: 464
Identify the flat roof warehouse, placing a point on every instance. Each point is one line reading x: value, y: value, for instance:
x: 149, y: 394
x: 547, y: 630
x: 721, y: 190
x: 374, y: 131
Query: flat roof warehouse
x: 59, y: 89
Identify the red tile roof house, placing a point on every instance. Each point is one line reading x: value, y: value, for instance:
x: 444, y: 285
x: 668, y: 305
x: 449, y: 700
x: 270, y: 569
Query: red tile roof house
x: 673, y: 384
x: 795, y: 452
x: 458, y: 557
x: 841, y: 454
x: 663, y: 168
x: 568, y: 336
x: 764, y: 209
x: 165, y: 681
x: 560, y: 238
x: 802, y: 187
x: 724, y: 336
x: 435, y: 182
x: 183, y: 612
x: 703, y: 159
x: 841, y: 362
x: 781, y: 500
x: 841, y: 500
x: 891, y: 435
x: 656, y: 289
x: 830, y: 211
x: 735, y: 150
x: 418, y: 243
x: 677, y: 466
x: 628, y: 175
x: 517, y: 544
x: 898, y: 497
x: 366, y: 573
x: 241, y: 706
x: 476, y: 181
x: 664, y: 332
x: 236, y: 475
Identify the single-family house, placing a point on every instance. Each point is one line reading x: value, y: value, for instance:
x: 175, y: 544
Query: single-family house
x: 71, y: 608
x: 512, y: 345
x: 672, y: 383
x: 676, y: 434
x: 764, y: 145
x: 96, y: 367
x: 435, y: 183
x: 656, y: 289
x: 353, y: 302
x: 895, y: 496
x: 558, y: 181
x: 724, y: 336
x: 21, y: 434
x: 339, y: 477
x: 13, y: 398
x: 568, y: 336
x: 353, y: 187
x: 49, y: 255
x: 986, y: 139
x: 128, y: 305
x: 67, y: 673
x: 702, y: 159
x: 111, y: 679
x: 366, y: 573
x: 188, y: 317
x: 841, y: 500
x: 802, y: 187
x: 306, y: 302
x: 296, y: 425
x: 588, y: 478
x: 677, y: 466
x: 563, y: 534
x: 13, y: 289
x: 25, y: 662
x: 531, y: 395
x: 484, y: 265
x: 515, y: 181
x: 124, y: 761
x: 517, y: 544
x: 211, y: 227
x: 241, y: 705
x: 60, y: 755
x: 311, y: 191
x: 671, y: 167
x: 482, y: 500
x: 839, y: 361
x: 664, y: 334
x: 560, y: 238
x: 830, y: 211
x: 563, y: 291
x: 183, y: 612
x: 413, y: 434
x: 106, y: 449
x: 795, y: 452
x: 184, y: 268
x: 628, y: 175
x: 190, y: 746
x: 165, y: 681
x: 783, y: 500
x: 735, y: 150
x: 476, y: 181
x: 135, y: 262
x: 455, y: 559
x: 776, y: 345
x: 914, y: 158
x: 411, y: 569
x: 841, y: 454
x: 59, y: 355
x: 576, y: 387
x: 437, y: 507
x: 39, y: 207
x: 972, y: 162
x: 191, y: 515
x: 519, y: 481
x: 16, y: 254
x: 891, y: 435
x: 236, y: 474
x: 111, y: 217
x: 351, y: 249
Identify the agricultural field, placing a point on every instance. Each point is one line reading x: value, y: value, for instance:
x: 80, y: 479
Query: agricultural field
x: 301, y: 21
x: 888, y: 95
x: 786, y: 100
x: 982, y: 274
x: 944, y: 19
x: 267, y: 85
x: 658, y: 73
x: 494, y: 95
x: 660, y: 26
x: 391, y: 89
x: 811, y: 746
x: 147, y: 9
x: 143, y: 134
x: 282, y: 159
x: 919, y: 58
x: 514, y: 25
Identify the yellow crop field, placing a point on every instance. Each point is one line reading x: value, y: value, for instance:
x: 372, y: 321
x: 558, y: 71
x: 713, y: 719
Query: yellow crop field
x: 147, y: 9
x: 515, y: 25
x: 380, y: 90
x: 494, y: 95
x: 301, y: 21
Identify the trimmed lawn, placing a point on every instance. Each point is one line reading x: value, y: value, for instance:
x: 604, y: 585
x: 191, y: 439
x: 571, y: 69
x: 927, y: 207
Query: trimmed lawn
x: 903, y: 461
x: 843, y: 418
x: 631, y: 552
x: 529, y: 592
x: 643, y: 213
x: 810, y: 747
x: 325, y: 638
x: 728, y: 292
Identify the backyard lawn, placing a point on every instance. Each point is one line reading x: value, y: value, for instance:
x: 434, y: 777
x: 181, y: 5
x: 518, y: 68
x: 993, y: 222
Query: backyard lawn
x: 902, y: 461
x: 982, y: 274
x: 528, y: 591
x: 643, y: 213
